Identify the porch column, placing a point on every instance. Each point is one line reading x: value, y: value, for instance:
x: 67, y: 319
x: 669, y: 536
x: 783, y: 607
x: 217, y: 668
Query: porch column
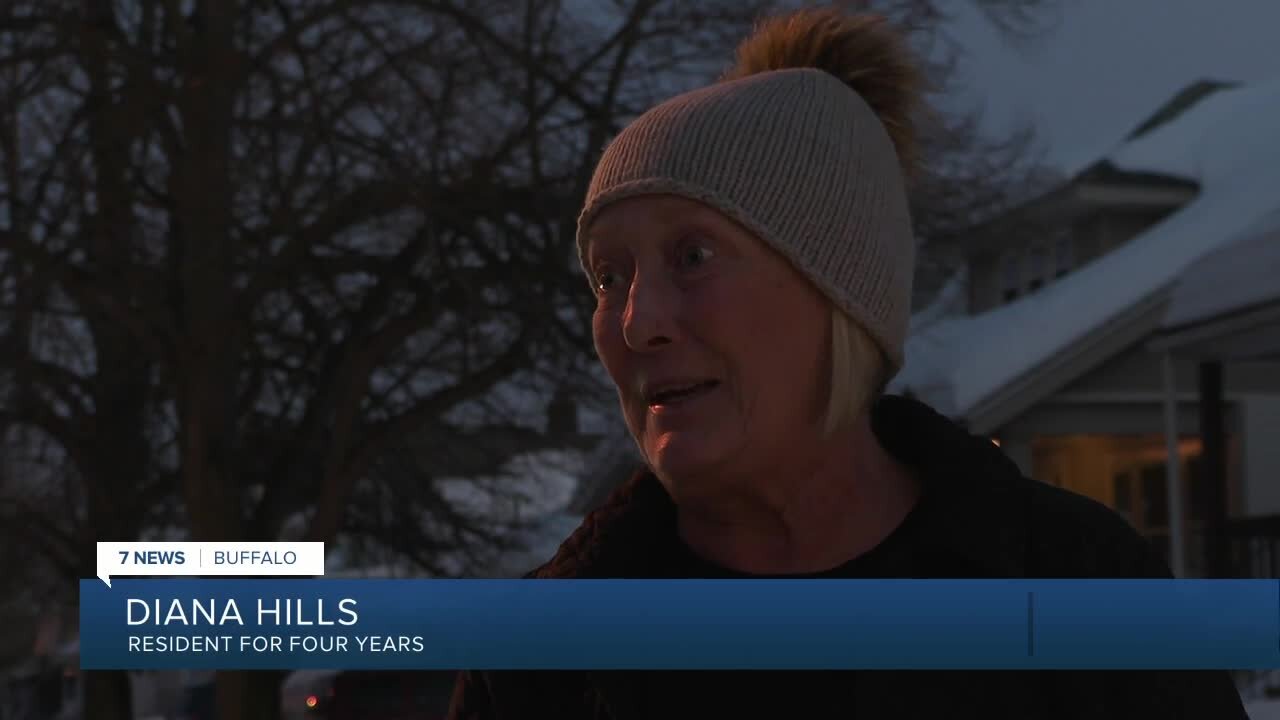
x: 1173, y: 468
x: 1213, y: 448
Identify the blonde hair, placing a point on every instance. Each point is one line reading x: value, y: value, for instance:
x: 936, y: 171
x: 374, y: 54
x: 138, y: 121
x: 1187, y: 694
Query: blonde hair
x: 857, y: 372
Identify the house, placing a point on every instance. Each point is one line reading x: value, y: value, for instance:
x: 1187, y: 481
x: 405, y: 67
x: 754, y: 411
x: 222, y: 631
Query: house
x: 1224, y: 312
x: 1045, y: 342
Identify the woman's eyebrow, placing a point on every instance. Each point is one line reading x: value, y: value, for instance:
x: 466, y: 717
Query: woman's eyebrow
x: 593, y: 246
x: 605, y: 238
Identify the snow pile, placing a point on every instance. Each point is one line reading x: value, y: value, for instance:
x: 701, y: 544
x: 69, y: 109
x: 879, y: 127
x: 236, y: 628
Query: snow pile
x: 1226, y: 142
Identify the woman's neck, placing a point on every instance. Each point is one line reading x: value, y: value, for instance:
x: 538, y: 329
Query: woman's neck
x: 806, y: 519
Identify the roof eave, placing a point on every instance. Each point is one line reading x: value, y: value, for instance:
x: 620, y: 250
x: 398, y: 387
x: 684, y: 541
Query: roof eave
x: 1060, y: 369
x: 1202, y: 337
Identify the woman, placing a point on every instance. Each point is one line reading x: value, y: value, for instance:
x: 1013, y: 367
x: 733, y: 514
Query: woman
x: 751, y: 253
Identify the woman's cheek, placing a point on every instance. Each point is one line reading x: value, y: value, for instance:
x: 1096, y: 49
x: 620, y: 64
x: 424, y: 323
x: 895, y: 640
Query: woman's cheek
x: 606, y: 330
x: 605, y: 334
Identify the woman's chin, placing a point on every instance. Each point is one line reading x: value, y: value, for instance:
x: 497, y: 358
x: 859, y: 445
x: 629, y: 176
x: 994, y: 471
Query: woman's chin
x: 686, y: 461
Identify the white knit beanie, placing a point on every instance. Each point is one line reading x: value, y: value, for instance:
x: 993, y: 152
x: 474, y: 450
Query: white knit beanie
x: 799, y: 158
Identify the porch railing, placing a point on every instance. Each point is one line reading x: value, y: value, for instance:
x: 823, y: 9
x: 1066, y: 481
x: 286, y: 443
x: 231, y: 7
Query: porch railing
x: 1253, y: 547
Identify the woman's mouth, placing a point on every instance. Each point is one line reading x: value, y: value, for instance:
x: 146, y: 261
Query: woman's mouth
x: 674, y: 394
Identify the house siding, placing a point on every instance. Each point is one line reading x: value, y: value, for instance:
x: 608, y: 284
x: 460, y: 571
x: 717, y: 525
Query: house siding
x: 1124, y: 396
x: 1137, y: 370
x: 1107, y: 418
x: 1261, y: 451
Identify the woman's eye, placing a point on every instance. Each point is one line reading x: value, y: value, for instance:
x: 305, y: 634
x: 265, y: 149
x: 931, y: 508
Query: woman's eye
x: 605, y: 280
x: 695, y: 255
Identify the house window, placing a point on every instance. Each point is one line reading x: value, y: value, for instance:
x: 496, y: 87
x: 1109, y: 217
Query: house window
x: 1064, y: 256
x: 1037, y: 262
x: 1127, y: 472
x: 1012, y: 277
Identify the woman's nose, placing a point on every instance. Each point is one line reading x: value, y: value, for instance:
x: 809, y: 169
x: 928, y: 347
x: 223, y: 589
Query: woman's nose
x: 649, y: 321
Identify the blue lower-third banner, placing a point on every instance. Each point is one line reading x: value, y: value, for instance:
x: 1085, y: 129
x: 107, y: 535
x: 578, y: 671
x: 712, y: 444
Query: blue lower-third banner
x: 679, y: 624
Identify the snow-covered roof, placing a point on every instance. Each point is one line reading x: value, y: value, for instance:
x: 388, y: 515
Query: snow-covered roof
x: 1226, y: 143
x: 1236, y: 277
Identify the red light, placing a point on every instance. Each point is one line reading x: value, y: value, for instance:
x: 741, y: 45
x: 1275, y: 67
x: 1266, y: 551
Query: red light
x: 312, y: 701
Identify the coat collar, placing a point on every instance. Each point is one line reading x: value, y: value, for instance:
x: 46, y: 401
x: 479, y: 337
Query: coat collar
x: 978, y: 500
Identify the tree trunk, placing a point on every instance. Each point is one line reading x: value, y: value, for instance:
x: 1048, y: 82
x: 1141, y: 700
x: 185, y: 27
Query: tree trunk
x: 249, y: 695
x: 107, y: 693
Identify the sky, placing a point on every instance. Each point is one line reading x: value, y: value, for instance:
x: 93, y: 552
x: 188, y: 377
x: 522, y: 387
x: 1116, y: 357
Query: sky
x: 1107, y: 64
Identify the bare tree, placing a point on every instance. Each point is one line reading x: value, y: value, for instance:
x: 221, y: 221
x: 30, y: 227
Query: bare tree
x: 969, y: 176
x: 255, y: 256
x: 251, y: 250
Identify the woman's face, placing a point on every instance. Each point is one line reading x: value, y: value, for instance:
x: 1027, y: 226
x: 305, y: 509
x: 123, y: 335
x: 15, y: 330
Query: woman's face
x: 717, y: 346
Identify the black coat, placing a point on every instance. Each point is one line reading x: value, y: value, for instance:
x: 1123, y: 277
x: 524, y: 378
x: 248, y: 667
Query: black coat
x: 993, y: 523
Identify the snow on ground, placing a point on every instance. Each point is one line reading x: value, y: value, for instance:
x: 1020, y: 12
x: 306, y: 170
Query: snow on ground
x: 1226, y: 142
x: 1263, y: 710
